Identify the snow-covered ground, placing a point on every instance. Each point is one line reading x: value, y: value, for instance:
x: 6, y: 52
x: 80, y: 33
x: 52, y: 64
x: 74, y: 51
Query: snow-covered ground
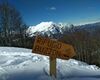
x: 21, y: 64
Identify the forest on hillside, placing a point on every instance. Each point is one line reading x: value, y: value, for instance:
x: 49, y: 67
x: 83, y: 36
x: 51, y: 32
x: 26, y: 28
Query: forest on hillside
x: 86, y: 44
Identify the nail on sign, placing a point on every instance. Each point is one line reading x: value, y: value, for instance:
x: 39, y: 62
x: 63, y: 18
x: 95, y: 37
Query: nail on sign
x: 49, y: 47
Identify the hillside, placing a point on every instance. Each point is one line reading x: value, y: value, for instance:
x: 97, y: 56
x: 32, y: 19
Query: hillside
x: 21, y: 64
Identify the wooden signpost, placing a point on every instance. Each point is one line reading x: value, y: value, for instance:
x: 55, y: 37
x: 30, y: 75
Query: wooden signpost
x: 54, y: 49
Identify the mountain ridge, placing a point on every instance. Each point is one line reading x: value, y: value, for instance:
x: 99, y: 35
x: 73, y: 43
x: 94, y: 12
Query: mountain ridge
x: 50, y: 28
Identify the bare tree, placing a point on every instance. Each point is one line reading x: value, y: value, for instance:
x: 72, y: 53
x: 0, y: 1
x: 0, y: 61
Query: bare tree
x: 11, y: 25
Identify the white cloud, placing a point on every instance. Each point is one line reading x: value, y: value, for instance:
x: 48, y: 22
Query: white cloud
x: 52, y: 8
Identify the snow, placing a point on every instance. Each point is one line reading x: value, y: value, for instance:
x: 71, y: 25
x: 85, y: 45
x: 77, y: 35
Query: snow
x: 46, y: 28
x: 42, y: 26
x: 21, y: 64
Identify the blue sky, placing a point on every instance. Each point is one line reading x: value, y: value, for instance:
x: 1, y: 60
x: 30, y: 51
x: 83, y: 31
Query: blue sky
x: 66, y: 11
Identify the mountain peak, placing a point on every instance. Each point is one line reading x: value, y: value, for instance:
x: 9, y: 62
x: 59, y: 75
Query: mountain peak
x: 45, y: 24
x: 47, y: 28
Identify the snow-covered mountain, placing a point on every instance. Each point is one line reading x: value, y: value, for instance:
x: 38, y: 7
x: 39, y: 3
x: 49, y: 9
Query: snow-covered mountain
x: 55, y: 30
x: 90, y: 27
x: 46, y: 28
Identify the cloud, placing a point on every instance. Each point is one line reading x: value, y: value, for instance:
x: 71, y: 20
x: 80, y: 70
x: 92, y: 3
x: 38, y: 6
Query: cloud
x: 52, y: 8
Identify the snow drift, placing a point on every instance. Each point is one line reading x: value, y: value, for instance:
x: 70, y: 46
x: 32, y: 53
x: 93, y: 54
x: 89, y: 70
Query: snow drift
x: 21, y: 64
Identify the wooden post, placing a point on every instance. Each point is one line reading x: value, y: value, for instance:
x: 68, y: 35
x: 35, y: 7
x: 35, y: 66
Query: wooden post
x: 52, y: 66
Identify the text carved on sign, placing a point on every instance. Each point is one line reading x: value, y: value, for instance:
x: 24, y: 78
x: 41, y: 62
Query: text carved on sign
x: 46, y: 46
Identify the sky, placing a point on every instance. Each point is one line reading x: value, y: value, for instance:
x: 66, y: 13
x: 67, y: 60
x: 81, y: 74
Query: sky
x: 66, y: 11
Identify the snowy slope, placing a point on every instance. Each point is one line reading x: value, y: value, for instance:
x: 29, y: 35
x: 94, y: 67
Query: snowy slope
x: 48, y: 28
x: 21, y: 64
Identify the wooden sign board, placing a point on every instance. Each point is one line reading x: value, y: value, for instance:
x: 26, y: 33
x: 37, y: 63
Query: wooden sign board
x: 53, y: 48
